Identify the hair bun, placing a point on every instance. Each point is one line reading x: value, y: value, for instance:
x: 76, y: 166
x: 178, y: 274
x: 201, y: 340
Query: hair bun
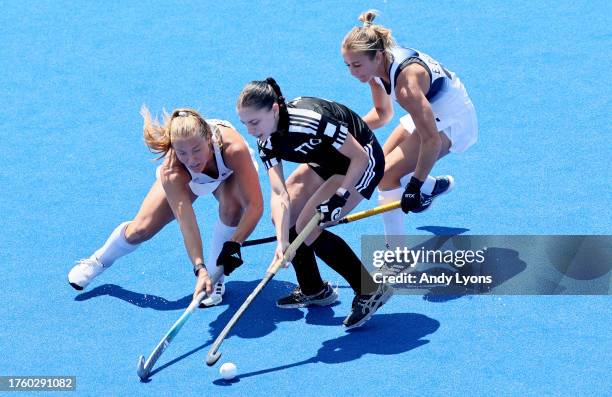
x: 368, y: 17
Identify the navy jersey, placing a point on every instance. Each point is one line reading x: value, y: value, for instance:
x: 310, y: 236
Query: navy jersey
x: 311, y: 131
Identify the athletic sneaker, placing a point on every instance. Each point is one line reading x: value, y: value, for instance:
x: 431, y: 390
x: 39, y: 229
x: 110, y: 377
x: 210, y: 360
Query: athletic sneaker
x: 364, y: 306
x: 444, y: 184
x: 84, y: 272
x: 394, y: 268
x: 216, y: 297
x: 297, y: 298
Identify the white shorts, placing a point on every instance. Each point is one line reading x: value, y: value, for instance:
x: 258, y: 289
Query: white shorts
x: 454, y: 114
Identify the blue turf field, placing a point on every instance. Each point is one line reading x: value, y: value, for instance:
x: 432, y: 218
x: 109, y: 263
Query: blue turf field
x: 73, y: 165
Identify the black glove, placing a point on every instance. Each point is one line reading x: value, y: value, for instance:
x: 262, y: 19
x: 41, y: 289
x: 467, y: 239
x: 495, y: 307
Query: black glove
x: 230, y: 257
x: 411, y: 199
x: 331, y: 208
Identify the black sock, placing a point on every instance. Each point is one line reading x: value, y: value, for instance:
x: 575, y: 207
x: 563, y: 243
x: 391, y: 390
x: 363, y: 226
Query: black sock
x: 339, y: 256
x: 305, y: 266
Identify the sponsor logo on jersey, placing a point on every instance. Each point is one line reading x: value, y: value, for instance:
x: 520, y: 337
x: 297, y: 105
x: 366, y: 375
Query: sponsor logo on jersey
x: 308, y: 146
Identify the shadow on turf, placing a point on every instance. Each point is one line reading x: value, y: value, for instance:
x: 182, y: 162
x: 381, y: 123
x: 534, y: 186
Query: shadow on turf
x: 259, y: 320
x: 512, y: 265
x: 443, y: 230
x: 141, y: 300
x: 491, y: 267
x: 393, y: 334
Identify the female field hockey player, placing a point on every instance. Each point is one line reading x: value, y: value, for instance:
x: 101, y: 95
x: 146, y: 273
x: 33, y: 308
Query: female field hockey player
x: 341, y: 163
x: 441, y: 117
x: 200, y: 157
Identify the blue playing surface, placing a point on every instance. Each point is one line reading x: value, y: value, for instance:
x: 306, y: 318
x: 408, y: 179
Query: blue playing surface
x: 73, y: 165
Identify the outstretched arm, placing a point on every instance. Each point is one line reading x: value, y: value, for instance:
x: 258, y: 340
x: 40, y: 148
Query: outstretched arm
x: 175, y: 180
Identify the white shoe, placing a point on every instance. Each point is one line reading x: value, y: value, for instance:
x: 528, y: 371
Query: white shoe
x: 84, y: 272
x: 216, y: 297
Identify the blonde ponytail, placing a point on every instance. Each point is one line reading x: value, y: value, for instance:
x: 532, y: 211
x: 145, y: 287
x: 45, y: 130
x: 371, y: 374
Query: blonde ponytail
x: 156, y: 136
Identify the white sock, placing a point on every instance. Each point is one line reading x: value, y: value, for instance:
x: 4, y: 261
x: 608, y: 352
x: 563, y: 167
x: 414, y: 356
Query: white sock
x: 221, y: 234
x: 115, y: 247
x: 393, y: 221
x: 427, y: 187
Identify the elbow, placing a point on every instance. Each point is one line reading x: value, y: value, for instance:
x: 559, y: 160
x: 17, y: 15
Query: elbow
x: 280, y: 197
x: 284, y: 198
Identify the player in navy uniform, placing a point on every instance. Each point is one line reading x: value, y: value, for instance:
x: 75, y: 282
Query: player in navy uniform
x: 341, y: 163
x: 441, y: 117
x: 200, y: 157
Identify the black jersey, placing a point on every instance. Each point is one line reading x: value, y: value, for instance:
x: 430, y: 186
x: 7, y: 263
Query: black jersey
x: 311, y: 131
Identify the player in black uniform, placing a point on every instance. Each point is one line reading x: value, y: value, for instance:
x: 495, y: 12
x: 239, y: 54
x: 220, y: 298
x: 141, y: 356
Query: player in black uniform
x: 341, y: 164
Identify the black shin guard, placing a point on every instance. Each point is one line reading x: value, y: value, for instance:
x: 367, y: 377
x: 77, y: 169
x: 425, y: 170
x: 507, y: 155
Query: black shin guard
x: 305, y: 266
x: 339, y: 256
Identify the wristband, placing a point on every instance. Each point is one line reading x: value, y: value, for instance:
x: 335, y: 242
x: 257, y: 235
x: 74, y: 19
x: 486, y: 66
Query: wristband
x: 197, y: 267
x: 345, y: 194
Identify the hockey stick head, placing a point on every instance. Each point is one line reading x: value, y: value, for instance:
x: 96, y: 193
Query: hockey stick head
x: 141, y: 370
x: 212, y: 358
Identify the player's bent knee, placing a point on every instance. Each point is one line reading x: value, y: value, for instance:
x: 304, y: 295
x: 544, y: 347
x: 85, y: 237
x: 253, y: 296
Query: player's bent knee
x: 390, y: 180
x: 295, y: 190
x: 139, y: 231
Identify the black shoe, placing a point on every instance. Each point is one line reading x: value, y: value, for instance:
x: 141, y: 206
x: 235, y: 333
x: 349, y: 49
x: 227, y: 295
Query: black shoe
x: 444, y: 184
x: 364, y: 306
x: 297, y: 298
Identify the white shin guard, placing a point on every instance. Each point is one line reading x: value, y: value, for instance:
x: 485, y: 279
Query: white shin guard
x: 393, y: 221
x: 115, y: 246
x: 221, y: 234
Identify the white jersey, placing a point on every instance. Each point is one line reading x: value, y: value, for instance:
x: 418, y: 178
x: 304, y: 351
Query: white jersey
x: 453, y: 111
x: 201, y: 184
x: 439, y: 76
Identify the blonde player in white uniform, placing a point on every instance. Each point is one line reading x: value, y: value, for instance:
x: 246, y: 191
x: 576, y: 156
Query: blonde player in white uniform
x: 200, y: 157
x: 441, y: 117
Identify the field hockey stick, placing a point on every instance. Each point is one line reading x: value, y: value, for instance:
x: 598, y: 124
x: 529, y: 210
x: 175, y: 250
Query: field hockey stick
x: 346, y: 219
x: 144, y: 367
x: 213, y: 354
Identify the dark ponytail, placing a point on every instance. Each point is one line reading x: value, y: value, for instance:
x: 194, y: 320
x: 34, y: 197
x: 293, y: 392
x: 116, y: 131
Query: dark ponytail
x: 280, y: 99
x: 260, y: 94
